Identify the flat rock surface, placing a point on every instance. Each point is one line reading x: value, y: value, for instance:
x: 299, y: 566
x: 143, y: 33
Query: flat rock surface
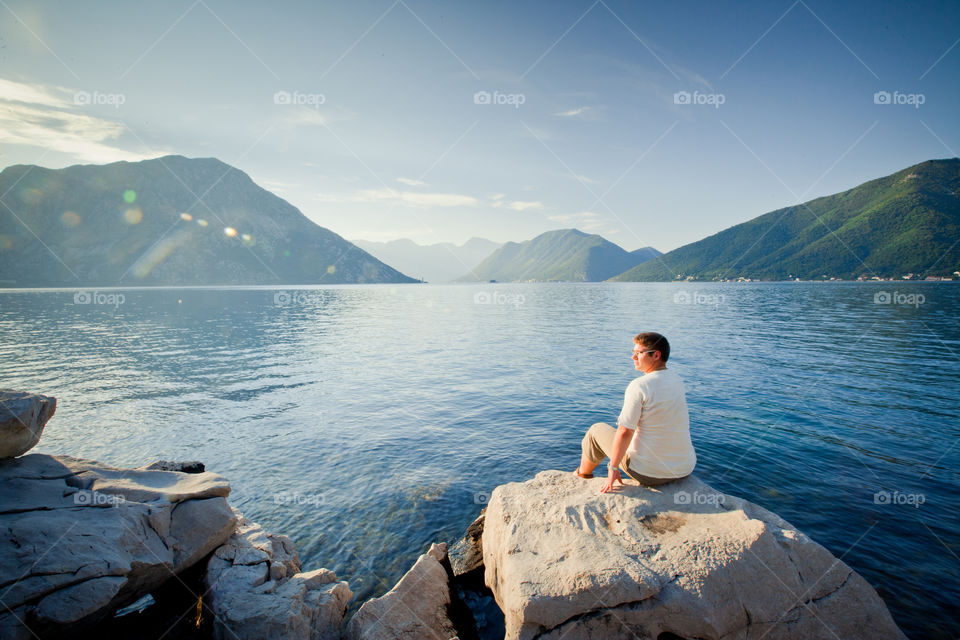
x: 565, y: 561
x: 79, y: 539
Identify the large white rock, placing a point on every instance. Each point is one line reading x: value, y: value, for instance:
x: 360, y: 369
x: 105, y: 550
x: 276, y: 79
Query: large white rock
x: 256, y: 590
x: 79, y: 539
x: 417, y: 608
x: 565, y: 561
x: 22, y: 418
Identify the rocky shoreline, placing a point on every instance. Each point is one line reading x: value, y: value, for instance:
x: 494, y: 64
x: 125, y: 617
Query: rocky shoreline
x: 82, y: 542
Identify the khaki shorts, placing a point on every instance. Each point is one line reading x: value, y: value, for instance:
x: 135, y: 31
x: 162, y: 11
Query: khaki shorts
x: 598, y: 443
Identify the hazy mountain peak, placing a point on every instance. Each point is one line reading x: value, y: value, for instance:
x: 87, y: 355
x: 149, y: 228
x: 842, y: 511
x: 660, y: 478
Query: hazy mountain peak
x: 557, y: 255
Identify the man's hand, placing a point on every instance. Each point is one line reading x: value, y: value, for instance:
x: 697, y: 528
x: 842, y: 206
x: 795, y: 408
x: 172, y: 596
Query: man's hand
x: 611, y: 479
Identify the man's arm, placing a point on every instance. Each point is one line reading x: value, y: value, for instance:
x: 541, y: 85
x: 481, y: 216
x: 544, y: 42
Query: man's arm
x: 621, y: 440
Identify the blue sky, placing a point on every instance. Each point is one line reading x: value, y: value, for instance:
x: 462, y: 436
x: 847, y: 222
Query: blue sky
x: 373, y: 117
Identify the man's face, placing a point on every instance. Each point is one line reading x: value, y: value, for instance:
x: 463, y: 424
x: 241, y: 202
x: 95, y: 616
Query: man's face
x: 644, y: 358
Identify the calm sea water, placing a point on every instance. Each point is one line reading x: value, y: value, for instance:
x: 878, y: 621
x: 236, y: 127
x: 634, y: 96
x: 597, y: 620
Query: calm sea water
x: 367, y: 422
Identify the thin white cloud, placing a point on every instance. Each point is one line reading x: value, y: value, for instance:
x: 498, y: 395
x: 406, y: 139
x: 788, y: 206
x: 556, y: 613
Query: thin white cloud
x: 497, y: 196
x: 584, y: 220
x: 519, y: 205
x: 34, y: 94
x: 47, y: 117
x: 306, y: 116
x: 410, y: 182
x: 276, y: 185
x: 572, y: 112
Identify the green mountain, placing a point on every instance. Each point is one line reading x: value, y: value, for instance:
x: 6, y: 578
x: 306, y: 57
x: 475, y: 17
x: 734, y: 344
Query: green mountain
x: 165, y: 221
x: 562, y: 255
x: 908, y: 222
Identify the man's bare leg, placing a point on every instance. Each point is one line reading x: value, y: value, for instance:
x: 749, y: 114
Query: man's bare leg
x: 586, y: 467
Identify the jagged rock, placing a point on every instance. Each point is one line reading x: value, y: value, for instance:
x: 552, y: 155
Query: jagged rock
x: 256, y: 590
x: 417, y: 607
x: 564, y: 560
x: 467, y: 553
x: 193, y: 466
x: 79, y: 539
x: 22, y: 418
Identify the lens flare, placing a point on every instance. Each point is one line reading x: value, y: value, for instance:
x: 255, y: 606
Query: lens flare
x: 70, y: 219
x: 186, y: 216
x: 230, y: 231
x: 201, y: 222
x: 133, y: 215
x: 129, y: 196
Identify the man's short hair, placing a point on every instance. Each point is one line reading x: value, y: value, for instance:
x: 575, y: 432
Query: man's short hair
x: 651, y: 340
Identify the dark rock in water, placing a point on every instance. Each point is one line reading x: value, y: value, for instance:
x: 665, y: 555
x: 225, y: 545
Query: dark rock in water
x: 193, y: 466
x: 466, y: 554
x: 486, y: 618
x: 22, y: 418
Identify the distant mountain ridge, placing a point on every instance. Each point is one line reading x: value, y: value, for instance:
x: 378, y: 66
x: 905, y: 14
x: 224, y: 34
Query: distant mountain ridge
x: 566, y: 255
x: 440, y: 262
x: 907, y: 222
x: 165, y: 221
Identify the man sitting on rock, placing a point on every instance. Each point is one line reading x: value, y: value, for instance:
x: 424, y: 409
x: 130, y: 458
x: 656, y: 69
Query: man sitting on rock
x: 652, y: 440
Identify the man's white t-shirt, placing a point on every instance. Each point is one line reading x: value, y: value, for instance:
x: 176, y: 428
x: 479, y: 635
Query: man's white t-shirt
x: 655, y: 407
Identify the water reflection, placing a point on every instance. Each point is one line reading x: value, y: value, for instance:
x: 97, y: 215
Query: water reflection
x: 379, y: 414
